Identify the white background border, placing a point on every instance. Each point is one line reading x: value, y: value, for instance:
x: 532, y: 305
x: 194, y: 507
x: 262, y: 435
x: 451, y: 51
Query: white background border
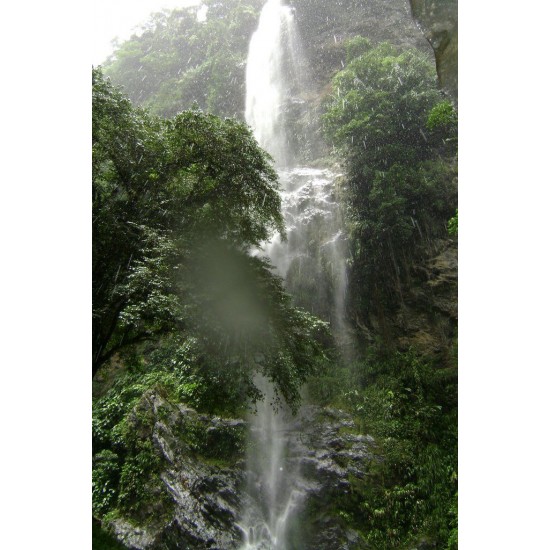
x: 45, y: 219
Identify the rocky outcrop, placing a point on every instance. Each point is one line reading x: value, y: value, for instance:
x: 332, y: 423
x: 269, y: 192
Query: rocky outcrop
x: 328, y: 451
x: 202, y: 507
x: 439, y: 21
x: 205, y: 498
x: 426, y: 317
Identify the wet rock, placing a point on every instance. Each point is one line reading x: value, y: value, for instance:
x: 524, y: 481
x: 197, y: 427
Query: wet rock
x: 328, y: 451
x: 205, y: 500
x: 439, y: 22
x: 427, y: 317
x: 131, y: 536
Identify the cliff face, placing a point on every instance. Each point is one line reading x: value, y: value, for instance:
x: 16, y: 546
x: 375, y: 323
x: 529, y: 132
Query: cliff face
x: 427, y: 315
x: 198, y: 498
x: 439, y: 21
x: 197, y: 501
x: 325, y: 26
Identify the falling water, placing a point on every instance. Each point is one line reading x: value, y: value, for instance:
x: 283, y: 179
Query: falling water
x: 274, y: 493
x: 273, y: 71
x: 312, y: 261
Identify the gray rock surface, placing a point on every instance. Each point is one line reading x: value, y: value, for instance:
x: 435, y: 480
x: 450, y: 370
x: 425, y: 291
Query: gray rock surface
x: 206, y: 499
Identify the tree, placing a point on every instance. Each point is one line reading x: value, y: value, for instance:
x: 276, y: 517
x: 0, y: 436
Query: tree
x: 390, y: 123
x: 177, y: 205
x: 177, y: 60
x: 378, y: 109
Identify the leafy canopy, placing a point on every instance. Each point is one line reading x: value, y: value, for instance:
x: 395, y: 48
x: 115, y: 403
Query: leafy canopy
x: 177, y: 205
x: 177, y: 60
x: 397, y: 135
x: 379, y: 105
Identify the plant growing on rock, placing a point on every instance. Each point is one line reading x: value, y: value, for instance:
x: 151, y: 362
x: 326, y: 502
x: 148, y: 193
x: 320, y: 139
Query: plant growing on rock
x: 387, y: 119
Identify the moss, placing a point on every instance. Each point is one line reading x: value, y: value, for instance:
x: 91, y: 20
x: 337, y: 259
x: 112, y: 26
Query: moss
x: 354, y: 430
x: 217, y: 445
x: 408, y: 403
x: 102, y: 540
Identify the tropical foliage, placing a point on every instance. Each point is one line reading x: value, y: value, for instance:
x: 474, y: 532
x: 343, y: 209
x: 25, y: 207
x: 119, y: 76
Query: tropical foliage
x: 177, y: 204
x: 397, y: 135
x: 180, y: 306
x: 176, y: 61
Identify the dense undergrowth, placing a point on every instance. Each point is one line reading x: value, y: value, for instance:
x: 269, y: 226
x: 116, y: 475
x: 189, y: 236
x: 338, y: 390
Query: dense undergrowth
x: 126, y: 463
x: 409, y: 404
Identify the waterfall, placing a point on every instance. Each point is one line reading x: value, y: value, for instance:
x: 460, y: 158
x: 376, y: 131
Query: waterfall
x: 273, y: 493
x: 273, y: 78
x: 312, y: 262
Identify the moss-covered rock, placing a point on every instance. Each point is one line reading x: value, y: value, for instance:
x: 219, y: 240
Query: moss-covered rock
x: 439, y: 21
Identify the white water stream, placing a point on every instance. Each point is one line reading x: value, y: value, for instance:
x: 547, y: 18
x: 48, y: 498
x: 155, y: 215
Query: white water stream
x: 311, y: 261
x: 273, y: 70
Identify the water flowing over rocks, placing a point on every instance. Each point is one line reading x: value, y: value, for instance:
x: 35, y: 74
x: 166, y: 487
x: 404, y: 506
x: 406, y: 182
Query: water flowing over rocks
x: 206, y: 498
x: 312, y: 261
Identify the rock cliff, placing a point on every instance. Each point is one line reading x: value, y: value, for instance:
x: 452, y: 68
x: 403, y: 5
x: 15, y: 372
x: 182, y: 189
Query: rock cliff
x: 200, y: 498
x: 439, y: 21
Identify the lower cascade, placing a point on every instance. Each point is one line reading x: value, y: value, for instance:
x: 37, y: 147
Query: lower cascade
x: 273, y: 481
x: 312, y: 260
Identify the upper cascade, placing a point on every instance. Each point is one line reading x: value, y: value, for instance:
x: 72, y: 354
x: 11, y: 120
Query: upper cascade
x: 273, y: 75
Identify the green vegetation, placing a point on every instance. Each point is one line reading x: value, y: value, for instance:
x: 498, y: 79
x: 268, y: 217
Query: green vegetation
x: 409, y: 404
x: 397, y: 136
x: 177, y: 61
x: 452, y: 225
x: 177, y: 205
x: 126, y: 463
x: 180, y: 307
x: 101, y: 540
x: 444, y: 116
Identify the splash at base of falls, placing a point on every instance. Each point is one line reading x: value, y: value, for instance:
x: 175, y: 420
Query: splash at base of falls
x: 273, y: 481
x: 262, y: 536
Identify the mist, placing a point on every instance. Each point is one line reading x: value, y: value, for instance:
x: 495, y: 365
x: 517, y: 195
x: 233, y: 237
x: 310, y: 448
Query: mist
x: 116, y: 20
